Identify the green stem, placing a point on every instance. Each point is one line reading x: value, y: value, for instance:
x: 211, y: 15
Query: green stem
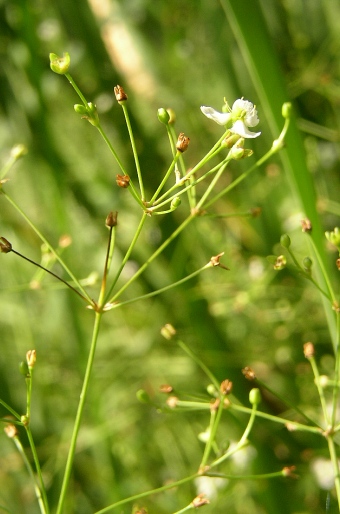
x: 134, y: 149
x: 131, y: 187
x: 276, y: 419
x: 307, y: 275
x: 50, y: 247
x: 163, y: 289
x: 127, y: 256
x: 242, y: 442
x: 32, y: 475
x: 148, y: 493
x: 165, y: 178
x: 335, y: 463
x: 159, y: 250
x: 12, y: 411
x: 37, y: 467
x: 215, y: 419
x: 320, y: 389
x: 337, y: 373
x: 199, y: 362
x: 76, y: 88
x: 72, y: 449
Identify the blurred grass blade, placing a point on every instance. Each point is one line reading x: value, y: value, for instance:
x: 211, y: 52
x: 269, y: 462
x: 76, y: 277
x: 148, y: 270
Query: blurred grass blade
x: 249, y: 27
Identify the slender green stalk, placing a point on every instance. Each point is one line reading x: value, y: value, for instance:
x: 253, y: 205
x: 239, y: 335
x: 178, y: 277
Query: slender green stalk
x: 72, y: 449
x: 37, y: 490
x: 308, y: 276
x: 50, y: 273
x: 159, y: 250
x: 12, y: 411
x: 148, y: 493
x: 131, y: 187
x: 320, y: 389
x: 163, y: 289
x: 285, y: 400
x: 211, y: 186
x: 49, y: 246
x: 199, y: 362
x: 336, y: 387
x: 42, y: 488
x: 165, y: 178
x: 134, y: 150
x: 76, y: 88
x: 335, y: 463
x: 241, y: 443
x: 276, y: 419
x: 215, y: 418
x: 127, y: 256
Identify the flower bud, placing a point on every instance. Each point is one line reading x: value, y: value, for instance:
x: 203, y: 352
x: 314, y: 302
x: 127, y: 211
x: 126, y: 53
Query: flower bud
x: 308, y: 350
x: 199, y: 501
x: 172, y: 116
x: 182, y: 142
x: 249, y: 373
x: 31, y: 358
x: 236, y: 153
x: 230, y: 140
x: 226, y: 387
x: 23, y: 368
x: 5, y: 246
x: 111, y: 219
x: 307, y: 263
x: 143, y: 396
x: 334, y: 237
x: 11, y: 431
x: 123, y: 181
x: 18, y: 151
x: 120, y: 94
x: 168, y: 331
x: 166, y: 388
x: 255, y: 396
x: 286, y: 110
x: 211, y: 389
x: 163, y: 116
x: 80, y: 109
x: 175, y: 202
x: 280, y: 263
x: 60, y: 65
x: 285, y: 241
x: 306, y: 225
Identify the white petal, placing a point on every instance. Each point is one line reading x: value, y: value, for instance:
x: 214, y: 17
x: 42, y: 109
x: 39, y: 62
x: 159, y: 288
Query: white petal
x: 222, y: 118
x: 241, y: 129
x: 251, y: 119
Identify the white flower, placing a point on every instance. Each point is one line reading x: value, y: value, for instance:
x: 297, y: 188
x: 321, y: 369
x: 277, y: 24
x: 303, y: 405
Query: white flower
x: 242, y: 115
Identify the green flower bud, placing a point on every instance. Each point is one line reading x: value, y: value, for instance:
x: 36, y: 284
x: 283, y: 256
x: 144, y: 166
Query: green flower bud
x: 163, y: 116
x: 175, y: 202
x: 285, y: 241
x: 23, y: 368
x: 143, y: 396
x: 307, y: 263
x: 211, y: 389
x: 80, y: 109
x: 60, y: 65
x: 255, y: 396
x: 286, y: 110
x: 236, y: 153
x: 334, y: 237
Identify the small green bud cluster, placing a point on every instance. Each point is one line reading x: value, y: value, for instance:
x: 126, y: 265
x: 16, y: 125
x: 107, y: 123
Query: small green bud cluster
x: 334, y: 237
x: 88, y: 112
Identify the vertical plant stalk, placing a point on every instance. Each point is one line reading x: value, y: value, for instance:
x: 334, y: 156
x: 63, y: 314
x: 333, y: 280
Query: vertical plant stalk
x: 83, y: 394
x: 134, y: 150
x: 42, y: 491
x: 43, y: 507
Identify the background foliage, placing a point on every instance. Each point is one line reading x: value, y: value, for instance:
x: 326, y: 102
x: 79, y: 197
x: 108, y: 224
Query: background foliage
x: 179, y: 55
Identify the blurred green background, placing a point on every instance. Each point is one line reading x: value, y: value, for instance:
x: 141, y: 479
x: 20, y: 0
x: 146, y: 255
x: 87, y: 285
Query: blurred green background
x: 180, y: 55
